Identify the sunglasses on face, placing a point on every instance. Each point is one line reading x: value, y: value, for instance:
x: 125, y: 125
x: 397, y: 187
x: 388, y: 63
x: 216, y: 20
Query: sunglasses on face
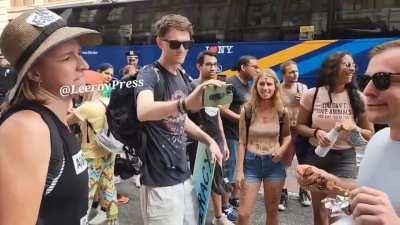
x: 173, y: 44
x: 381, y: 80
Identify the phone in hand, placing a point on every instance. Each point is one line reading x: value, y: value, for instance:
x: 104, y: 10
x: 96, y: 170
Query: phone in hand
x: 215, y: 96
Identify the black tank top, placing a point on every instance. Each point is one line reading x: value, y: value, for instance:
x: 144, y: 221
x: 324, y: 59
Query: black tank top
x: 65, y: 197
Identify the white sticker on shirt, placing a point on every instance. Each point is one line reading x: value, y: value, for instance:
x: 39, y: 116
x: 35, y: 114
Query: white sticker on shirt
x: 79, y: 162
x: 42, y: 17
x: 84, y: 220
x: 211, y: 111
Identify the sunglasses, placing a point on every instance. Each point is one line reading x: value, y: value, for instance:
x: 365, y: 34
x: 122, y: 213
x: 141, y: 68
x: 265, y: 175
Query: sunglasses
x: 381, y: 80
x: 175, y: 45
x: 350, y: 65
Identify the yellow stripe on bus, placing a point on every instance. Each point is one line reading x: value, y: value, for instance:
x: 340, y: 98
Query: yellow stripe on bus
x: 288, y: 53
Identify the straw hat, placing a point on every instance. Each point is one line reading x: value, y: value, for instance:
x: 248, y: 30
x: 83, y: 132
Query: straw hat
x: 34, y: 32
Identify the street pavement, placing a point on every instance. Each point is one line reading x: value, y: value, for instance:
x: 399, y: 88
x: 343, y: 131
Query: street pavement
x: 295, y: 214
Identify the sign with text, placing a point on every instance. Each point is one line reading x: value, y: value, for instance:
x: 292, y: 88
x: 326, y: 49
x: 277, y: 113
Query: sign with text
x: 203, y: 175
x: 306, y: 33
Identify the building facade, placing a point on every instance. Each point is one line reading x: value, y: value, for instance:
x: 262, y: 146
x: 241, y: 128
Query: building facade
x: 125, y: 22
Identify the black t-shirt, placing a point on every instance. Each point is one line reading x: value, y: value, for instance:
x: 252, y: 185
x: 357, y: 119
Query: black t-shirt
x: 164, y: 161
x: 240, y: 96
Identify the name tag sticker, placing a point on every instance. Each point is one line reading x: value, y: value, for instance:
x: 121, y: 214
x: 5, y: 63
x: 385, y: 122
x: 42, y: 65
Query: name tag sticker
x: 79, y: 162
x: 84, y: 221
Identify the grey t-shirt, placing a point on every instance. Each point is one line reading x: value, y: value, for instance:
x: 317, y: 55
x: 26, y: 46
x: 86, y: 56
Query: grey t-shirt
x: 165, y: 161
x: 380, y: 167
x: 240, y: 96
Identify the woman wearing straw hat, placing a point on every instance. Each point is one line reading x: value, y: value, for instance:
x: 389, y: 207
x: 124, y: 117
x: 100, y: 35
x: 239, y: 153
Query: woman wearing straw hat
x: 43, y: 175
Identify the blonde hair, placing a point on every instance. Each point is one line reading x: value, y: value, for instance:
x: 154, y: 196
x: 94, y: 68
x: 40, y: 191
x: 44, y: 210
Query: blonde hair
x: 255, y: 99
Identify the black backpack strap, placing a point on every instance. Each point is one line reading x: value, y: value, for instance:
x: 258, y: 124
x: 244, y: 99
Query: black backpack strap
x: 313, y: 103
x: 160, y: 91
x: 89, y: 125
x: 248, y: 111
x: 57, y: 155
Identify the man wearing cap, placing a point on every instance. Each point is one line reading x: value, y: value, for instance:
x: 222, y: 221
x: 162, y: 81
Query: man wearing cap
x: 133, y: 64
x: 167, y: 194
x: 43, y: 175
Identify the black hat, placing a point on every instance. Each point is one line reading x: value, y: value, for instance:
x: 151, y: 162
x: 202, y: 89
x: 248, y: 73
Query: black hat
x: 131, y: 53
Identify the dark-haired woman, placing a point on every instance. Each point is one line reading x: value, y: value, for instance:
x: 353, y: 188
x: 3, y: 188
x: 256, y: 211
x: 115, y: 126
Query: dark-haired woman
x: 338, y: 102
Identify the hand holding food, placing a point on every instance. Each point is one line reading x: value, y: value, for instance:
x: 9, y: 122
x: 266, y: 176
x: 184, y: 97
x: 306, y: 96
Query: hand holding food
x: 314, y: 179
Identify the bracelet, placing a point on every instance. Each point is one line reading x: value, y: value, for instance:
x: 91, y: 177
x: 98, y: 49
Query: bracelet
x: 185, y: 109
x: 315, y: 132
x: 178, y: 106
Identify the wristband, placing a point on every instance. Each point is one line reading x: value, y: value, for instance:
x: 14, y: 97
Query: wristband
x: 178, y: 106
x: 185, y: 109
x: 315, y: 132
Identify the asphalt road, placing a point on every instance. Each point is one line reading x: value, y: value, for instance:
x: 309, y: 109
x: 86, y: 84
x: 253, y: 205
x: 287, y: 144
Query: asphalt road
x: 295, y: 214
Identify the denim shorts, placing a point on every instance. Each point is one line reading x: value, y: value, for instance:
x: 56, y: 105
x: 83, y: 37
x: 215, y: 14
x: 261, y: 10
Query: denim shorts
x: 261, y: 167
x: 230, y: 164
x: 341, y: 163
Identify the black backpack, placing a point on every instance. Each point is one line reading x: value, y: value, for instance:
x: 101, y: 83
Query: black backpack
x: 122, y: 117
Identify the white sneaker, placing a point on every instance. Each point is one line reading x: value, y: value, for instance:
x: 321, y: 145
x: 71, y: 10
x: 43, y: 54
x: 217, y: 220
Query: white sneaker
x: 281, y: 207
x: 100, y: 218
x: 223, y: 220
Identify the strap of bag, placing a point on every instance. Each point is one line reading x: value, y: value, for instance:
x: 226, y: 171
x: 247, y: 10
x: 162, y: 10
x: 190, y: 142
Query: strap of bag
x: 281, y: 121
x: 248, y: 111
x: 89, y: 125
x: 312, y: 106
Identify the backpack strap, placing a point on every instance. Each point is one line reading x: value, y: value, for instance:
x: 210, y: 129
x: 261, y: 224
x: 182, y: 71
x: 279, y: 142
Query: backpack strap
x: 313, y: 103
x: 89, y: 125
x: 281, y: 116
x: 58, y: 143
x: 248, y: 112
x: 161, y: 81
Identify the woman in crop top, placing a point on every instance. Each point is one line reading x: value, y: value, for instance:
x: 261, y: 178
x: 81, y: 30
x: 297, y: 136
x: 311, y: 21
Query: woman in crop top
x: 261, y: 151
x: 338, y: 102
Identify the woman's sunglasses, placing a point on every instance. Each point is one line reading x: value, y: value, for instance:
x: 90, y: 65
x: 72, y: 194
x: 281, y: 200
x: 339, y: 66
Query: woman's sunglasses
x: 173, y: 44
x: 381, y: 80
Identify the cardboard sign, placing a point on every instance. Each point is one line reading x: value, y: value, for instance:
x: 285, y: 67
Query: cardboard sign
x: 203, y: 175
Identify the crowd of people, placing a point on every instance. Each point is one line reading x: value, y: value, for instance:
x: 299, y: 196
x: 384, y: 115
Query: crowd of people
x: 253, y: 140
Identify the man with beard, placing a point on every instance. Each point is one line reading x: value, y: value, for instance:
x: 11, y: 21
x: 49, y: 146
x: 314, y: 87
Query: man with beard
x: 292, y: 90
